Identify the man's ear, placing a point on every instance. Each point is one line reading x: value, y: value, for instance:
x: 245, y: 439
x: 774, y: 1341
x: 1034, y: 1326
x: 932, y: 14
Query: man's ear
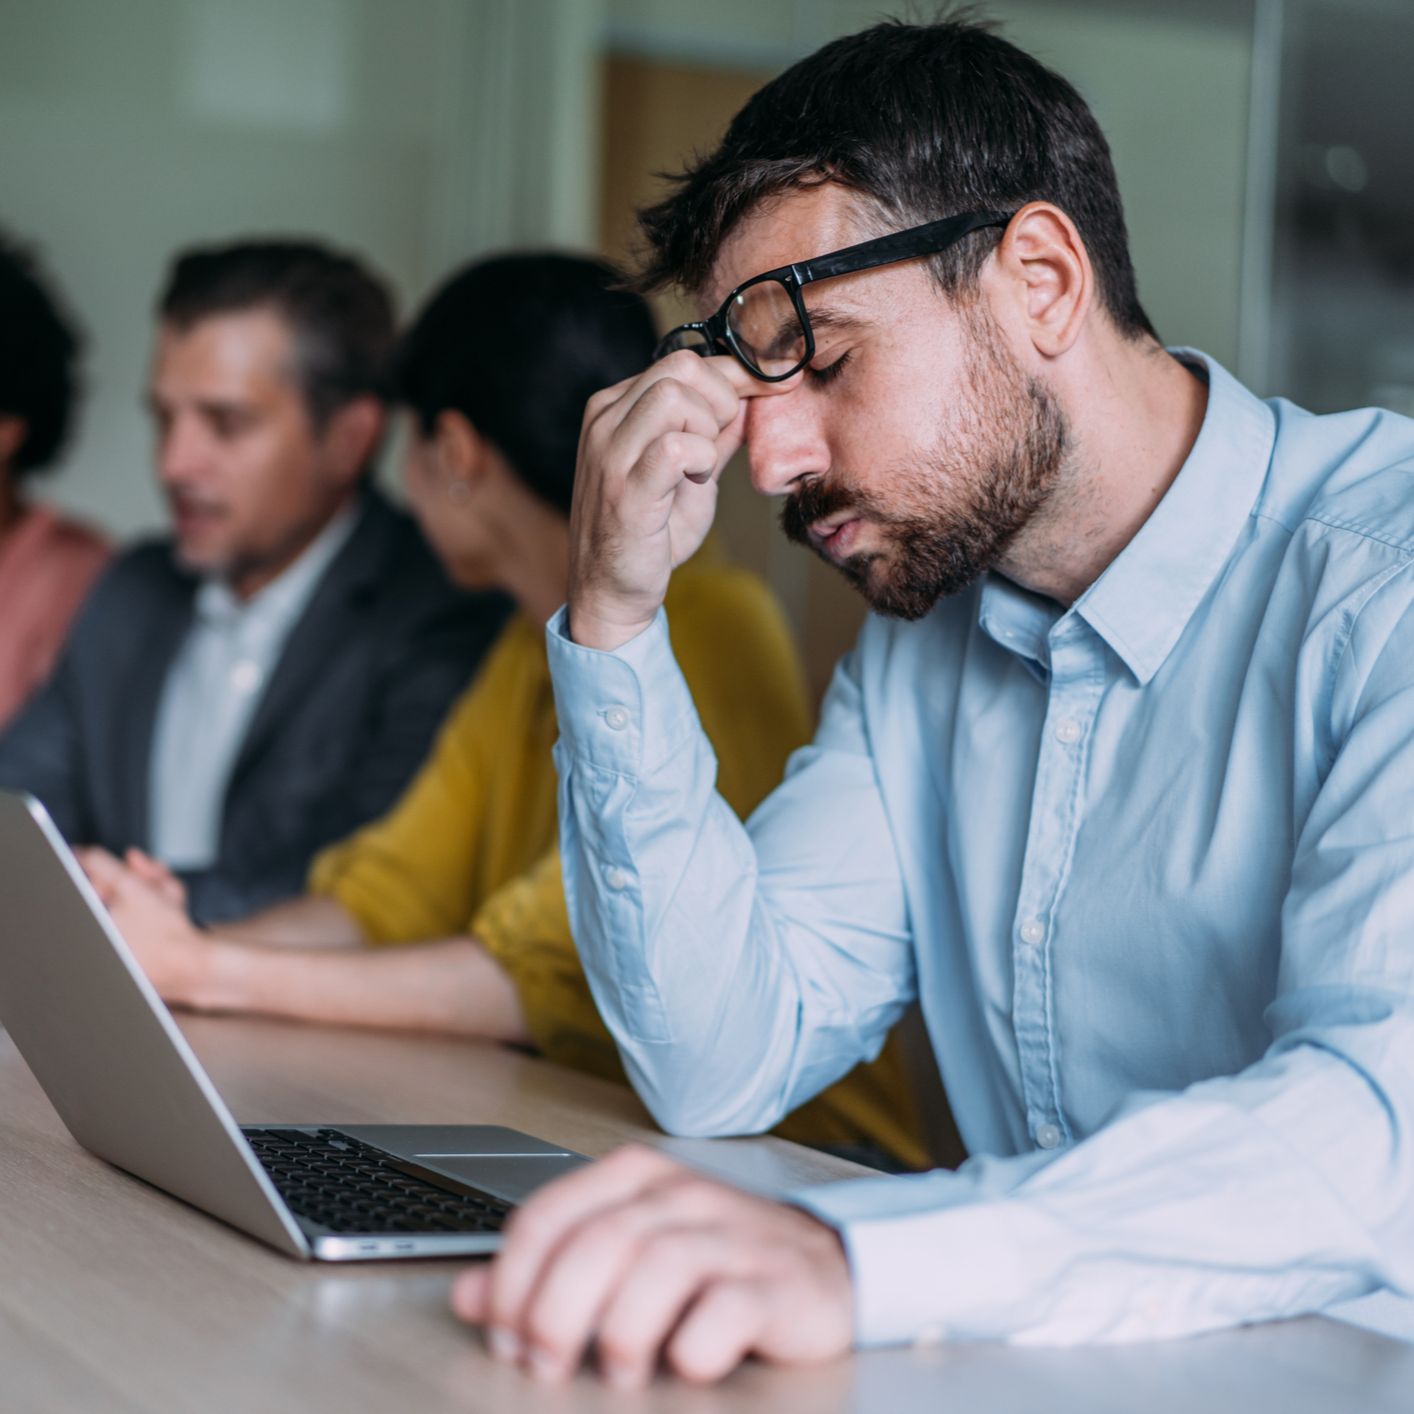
x: 352, y: 435
x: 1048, y: 276
x: 13, y: 431
x: 460, y: 448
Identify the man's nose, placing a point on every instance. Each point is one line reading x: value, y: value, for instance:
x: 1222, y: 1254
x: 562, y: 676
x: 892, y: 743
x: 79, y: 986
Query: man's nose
x: 784, y: 442
x: 180, y: 451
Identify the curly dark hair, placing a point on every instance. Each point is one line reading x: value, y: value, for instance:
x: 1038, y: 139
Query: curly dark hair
x: 39, y: 355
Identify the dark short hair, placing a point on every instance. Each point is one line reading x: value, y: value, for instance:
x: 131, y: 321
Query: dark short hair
x: 517, y: 344
x: 39, y: 353
x: 922, y: 122
x: 339, y: 313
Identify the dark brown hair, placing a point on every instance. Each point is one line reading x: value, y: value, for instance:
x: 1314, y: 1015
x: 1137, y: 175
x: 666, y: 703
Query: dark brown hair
x: 339, y: 313
x: 518, y: 344
x: 922, y: 122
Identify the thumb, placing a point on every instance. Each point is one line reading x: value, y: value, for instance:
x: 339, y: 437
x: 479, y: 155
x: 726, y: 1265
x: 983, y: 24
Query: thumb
x: 471, y: 1294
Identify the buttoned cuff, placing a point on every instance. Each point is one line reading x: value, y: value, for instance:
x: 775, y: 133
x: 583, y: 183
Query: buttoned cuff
x: 627, y: 711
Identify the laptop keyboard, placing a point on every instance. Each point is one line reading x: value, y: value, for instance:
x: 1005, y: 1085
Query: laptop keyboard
x: 350, y: 1187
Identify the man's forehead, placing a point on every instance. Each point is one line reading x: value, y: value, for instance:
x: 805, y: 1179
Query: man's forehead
x: 783, y: 230
x: 239, y: 347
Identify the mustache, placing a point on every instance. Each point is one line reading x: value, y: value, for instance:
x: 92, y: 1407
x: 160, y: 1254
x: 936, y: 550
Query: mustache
x: 814, y: 502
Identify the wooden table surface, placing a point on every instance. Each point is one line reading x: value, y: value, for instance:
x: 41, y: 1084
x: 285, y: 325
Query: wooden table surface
x: 115, y: 1297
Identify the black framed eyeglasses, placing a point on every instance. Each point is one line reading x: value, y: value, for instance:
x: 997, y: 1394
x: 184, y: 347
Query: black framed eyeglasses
x: 764, y: 322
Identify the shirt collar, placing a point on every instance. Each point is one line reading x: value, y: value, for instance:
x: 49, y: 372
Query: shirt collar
x: 1021, y: 622
x: 276, y: 607
x: 1144, y: 600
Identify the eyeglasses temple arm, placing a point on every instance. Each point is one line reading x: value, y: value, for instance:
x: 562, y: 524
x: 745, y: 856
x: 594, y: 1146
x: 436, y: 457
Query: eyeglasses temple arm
x: 903, y: 245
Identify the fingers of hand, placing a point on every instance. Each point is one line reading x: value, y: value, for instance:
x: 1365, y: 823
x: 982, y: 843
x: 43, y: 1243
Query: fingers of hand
x: 157, y: 876
x: 93, y: 858
x: 723, y: 1327
x: 667, y: 406
x: 146, y: 867
x: 672, y: 1268
x: 747, y: 385
x: 662, y: 455
x: 649, y: 1258
x: 105, y: 872
x: 711, y: 377
x: 471, y: 1293
x: 675, y: 455
x: 590, y: 1270
x: 607, y: 411
x: 791, y: 1303
x: 537, y: 1229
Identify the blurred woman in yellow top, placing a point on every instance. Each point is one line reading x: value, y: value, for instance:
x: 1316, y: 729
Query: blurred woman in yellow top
x: 464, y: 872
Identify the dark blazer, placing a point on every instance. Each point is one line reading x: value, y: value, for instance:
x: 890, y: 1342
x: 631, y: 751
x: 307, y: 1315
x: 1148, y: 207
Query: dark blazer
x: 366, y: 676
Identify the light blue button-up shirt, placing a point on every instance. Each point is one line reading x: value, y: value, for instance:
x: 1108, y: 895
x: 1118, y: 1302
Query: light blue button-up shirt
x: 1147, y: 862
x: 213, y: 688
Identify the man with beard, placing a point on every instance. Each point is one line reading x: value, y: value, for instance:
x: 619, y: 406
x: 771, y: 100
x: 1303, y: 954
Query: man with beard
x: 1116, y: 781
x: 266, y: 680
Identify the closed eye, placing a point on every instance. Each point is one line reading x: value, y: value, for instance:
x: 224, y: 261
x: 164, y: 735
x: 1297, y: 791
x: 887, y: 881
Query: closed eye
x: 830, y: 371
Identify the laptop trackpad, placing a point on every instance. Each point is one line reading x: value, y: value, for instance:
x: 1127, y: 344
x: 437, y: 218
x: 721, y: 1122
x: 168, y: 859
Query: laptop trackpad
x: 500, y: 1161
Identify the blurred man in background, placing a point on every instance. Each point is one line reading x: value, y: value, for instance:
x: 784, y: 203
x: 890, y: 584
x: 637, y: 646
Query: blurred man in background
x: 47, y: 562
x: 268, y: 677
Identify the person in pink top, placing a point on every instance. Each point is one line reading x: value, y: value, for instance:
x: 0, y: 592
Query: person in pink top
x: 47, y: 562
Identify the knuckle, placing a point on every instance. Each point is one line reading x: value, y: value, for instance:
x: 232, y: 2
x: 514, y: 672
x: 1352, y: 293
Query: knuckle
x: 529, y: 1225
x: 639, y: 1159
x: 670, y: 393
x: 598, y: 440
x: 542, y: 1329
x: 700, y: 1196
x: 594, y: 411
x: 674, y: 1251
x: 684, y: 359
x: 671, y: 447
x: 621, y: 1346
x: 607, y: 1233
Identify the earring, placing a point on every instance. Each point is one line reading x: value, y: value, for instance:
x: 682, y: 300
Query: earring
x: 458, y: 492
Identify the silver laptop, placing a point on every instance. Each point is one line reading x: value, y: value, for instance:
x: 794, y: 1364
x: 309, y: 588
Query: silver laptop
x: 126, y: 1084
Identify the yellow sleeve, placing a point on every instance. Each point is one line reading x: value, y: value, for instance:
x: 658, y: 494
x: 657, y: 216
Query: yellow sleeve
x: 740, y: 662
x: 408, y: 876
x: 525, y: 926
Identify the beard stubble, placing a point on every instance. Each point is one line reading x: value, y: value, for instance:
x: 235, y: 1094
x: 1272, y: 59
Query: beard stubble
x: 950, y: 516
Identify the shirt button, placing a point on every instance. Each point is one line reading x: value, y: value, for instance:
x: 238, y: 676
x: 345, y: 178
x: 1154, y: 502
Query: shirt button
x: 1033, y: 931
x: 1048, y: 1136
x: 617, y: 878
x: 616, y: 718
x: 245, y: 677
x: 1068, y: 732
